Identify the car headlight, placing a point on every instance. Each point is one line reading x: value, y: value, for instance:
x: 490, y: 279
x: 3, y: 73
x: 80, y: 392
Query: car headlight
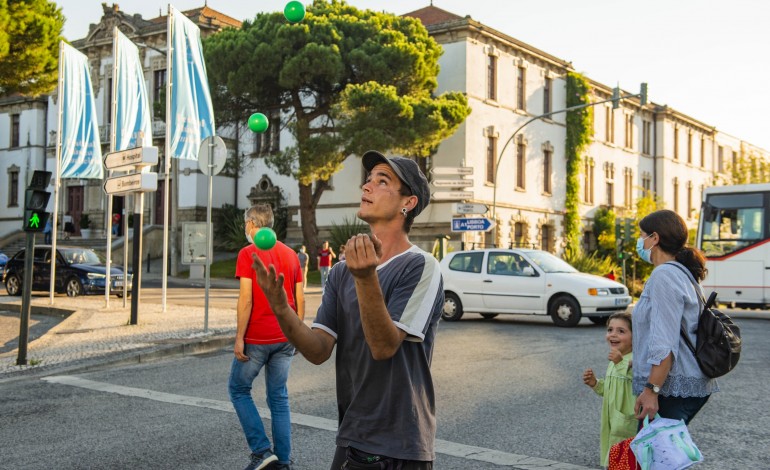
x: 95, y: 276
x: 599, y: 291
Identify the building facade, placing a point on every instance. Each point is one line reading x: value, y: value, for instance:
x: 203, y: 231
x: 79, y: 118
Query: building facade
x: 634, y: 149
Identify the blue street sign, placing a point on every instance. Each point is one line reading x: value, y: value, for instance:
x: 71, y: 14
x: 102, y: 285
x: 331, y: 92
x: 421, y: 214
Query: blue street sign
x: 476, y: 224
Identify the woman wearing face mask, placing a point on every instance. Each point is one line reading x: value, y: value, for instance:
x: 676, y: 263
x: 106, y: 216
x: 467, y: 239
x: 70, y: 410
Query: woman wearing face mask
x: 667, y: 379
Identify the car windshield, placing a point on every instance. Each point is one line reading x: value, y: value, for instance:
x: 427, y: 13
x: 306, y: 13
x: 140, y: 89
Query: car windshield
x: 549, y: 263
x: 80, y: 256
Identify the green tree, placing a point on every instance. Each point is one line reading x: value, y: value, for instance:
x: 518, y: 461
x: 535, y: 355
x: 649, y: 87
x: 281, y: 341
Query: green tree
x: 578, y: 137
x: 604, y: 230
x: 344, y: 80
x: 30, y: 31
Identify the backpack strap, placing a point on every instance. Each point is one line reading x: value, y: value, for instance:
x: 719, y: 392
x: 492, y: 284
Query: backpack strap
x: 701, y: 300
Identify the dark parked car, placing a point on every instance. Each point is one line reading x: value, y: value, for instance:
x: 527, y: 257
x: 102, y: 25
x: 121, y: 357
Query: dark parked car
x: 79, y: 271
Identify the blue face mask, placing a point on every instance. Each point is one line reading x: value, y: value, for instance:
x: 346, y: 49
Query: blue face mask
x: 645, y: 254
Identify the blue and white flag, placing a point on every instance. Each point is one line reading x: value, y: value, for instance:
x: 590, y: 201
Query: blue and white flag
x: 132, y: 116
x: 81, y: 150
x: 191, y: 114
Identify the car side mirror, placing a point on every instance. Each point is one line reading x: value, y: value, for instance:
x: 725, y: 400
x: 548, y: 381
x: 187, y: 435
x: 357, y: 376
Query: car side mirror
x: 528, y: 271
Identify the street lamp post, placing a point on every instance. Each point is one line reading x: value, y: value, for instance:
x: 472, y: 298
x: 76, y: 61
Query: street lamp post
x: 642, y: 95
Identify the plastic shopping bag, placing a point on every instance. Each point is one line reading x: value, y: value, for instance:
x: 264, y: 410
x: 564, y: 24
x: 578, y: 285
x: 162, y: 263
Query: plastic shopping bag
x: 665, y: 444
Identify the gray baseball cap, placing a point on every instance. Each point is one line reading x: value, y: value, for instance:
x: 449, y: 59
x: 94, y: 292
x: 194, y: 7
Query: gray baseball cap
x: 407, y: 171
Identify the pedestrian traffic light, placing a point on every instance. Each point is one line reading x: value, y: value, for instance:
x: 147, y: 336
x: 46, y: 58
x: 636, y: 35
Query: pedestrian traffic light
x: 35, y: 202
x: 627, y: 231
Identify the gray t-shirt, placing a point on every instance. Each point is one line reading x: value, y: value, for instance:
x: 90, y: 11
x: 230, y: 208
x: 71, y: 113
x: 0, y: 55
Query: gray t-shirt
x: 302, y: 259
x: 387, y: 407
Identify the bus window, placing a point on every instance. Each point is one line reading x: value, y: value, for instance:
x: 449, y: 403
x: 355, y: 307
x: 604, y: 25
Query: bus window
x: 732, y: 222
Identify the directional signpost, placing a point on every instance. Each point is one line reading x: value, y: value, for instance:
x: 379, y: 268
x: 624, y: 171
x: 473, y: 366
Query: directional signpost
x: 131, y: 183
x: 452, y: 183
x: 459, y: 208
x: 452, y: 170
x: 137, y: 182
x: 131, y: 158
x: 476, y: 224
x: 452, y: 195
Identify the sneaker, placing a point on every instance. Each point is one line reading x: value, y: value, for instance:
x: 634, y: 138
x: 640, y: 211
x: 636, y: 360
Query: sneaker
x: 283, y: 466
x: 262, y: 461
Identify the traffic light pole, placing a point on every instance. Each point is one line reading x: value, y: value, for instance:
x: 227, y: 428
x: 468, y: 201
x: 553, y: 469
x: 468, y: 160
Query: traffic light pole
x: 616, y: 98
x: 26, y: 295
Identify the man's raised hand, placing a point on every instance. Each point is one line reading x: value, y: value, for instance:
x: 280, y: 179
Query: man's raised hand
x: 362, y: 254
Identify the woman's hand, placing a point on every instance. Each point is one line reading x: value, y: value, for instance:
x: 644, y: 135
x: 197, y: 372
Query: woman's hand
x: 589, y: 378
x: 646, y: 404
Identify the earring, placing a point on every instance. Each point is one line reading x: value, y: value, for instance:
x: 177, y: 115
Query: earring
x: 404, y: 211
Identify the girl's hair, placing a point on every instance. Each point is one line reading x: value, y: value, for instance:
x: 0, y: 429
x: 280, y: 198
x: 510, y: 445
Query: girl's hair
x: 672, y: 233
x: 626, y: 316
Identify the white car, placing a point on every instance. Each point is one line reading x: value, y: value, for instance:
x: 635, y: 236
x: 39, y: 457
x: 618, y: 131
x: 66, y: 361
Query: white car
x: 494, y: 281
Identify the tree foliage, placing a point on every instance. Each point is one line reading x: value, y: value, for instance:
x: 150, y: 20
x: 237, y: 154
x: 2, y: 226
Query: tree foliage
x: 30, y: 31
x: 748, y: 168
x: 344, y: 81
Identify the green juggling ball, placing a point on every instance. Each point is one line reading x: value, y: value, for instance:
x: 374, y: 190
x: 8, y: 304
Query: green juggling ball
x: 258, y: 122
x: 265, y: 238
x: 294, y: 11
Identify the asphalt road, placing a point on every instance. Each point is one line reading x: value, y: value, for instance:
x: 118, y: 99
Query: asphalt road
x: 510, y: 385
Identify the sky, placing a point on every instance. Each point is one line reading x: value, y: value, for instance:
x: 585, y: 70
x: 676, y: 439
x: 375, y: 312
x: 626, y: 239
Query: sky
x: 707, y: 59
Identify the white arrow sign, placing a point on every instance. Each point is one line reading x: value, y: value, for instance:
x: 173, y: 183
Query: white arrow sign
x: 452, y: 170
x: 135, y: 157
x: 452, y: 183
x: 135, y: 182
x: 449, y: 195
x: 459, y: 208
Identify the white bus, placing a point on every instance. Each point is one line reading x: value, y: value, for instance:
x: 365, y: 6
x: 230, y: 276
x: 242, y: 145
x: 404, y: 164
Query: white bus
x: 734, y: 234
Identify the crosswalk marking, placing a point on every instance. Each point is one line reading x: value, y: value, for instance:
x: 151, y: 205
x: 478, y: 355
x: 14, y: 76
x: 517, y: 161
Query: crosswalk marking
x: 454, y: 449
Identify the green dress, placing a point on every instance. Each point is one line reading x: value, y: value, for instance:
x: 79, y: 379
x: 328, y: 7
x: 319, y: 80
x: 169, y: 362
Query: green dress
x: 618, y: 420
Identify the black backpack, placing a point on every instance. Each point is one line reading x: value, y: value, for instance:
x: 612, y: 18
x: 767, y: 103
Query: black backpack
x: 718, y: 342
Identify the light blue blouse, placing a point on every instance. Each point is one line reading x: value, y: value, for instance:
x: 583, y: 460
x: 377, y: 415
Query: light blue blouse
x: 668, y: 299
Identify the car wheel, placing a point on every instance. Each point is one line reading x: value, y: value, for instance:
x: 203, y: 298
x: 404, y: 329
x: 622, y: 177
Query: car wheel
x: 120, y: 294
x: 13, y: 285
x: 565, y: 311
x: 453, y: 308
x: 489, y: 316
x: 74, y: 287
x: 599, y: 320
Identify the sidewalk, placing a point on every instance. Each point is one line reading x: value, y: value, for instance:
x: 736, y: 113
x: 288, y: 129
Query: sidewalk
x: 92, y: 335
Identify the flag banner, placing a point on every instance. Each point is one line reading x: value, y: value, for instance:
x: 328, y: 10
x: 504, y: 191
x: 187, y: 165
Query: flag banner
x: 81, y: 150
x: 132, y: 115
x: 191, y: 114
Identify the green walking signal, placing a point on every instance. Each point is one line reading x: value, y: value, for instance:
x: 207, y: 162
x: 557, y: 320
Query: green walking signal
x: 35, y: 202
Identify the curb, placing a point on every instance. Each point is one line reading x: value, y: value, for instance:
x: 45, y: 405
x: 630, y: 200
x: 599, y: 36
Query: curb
x: 39, y: 309
x: 141, y: 356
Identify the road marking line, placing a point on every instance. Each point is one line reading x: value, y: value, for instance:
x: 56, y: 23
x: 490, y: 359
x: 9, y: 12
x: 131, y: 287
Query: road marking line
x: 454, y: 449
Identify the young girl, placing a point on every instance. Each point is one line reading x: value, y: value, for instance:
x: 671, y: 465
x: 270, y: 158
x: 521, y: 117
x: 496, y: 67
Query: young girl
x: 618, y: 420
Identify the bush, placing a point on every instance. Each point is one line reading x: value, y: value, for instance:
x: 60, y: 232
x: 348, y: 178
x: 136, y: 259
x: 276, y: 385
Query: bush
x: 85, y: 221
x: 592, y: 263
x: 340, y: 234
x: 229, y: 230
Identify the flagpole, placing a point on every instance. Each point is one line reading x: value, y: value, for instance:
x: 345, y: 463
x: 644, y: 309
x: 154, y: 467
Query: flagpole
x: 166, y: 189
x: 57, y: 179
x: 113, y: 112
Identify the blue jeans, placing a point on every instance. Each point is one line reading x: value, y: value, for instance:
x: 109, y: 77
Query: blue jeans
x: 324, y: 275
x: 276, y: 358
